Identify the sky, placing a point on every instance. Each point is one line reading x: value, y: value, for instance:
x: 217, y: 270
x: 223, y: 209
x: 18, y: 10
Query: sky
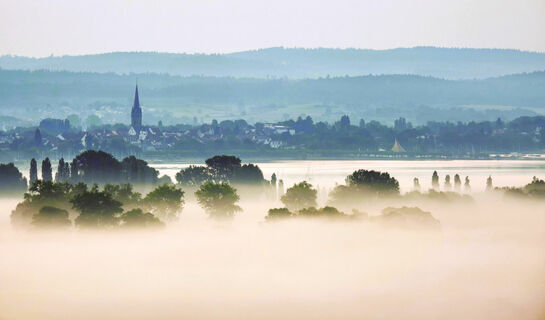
x: 58, y: 27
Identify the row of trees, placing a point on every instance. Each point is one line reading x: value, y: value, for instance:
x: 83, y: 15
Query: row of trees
x: 98, y: 167
x: 51, y: 204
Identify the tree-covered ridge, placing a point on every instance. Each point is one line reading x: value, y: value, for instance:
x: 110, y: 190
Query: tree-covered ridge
x: 449, y: 63
x: 35, y: 95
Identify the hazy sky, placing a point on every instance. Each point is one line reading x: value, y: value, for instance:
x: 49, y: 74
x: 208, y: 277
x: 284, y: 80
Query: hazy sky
x: 44, y: 27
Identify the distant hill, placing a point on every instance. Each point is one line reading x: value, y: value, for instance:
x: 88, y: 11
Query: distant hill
x: 40, y: 94
x: 446, y: 63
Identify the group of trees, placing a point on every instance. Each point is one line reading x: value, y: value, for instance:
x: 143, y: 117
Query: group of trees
x: 49, y: 203
x: 447, y: 186
x: 533, y: 190
x: 11, y: 180
x: 221, y: 169
x: 52, y: 204
x: 98, y: 167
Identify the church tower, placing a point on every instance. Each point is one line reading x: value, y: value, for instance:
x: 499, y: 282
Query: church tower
x: 136, y: 112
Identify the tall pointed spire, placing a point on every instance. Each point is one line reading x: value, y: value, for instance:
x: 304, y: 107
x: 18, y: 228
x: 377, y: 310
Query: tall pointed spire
x: 136, y: 99
x: 136, y: 112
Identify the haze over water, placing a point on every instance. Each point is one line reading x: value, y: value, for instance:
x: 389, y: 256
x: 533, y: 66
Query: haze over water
x: 327, y: 173
x: 487, y: 262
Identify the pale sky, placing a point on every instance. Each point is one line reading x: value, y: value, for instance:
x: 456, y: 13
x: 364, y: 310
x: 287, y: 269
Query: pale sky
x: 45, y: 27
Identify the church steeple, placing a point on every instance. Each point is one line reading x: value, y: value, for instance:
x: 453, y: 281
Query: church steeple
x: 136, y: 112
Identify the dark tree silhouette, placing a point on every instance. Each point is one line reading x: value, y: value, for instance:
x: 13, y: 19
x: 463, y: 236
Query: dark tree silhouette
x: 165, y: 201
x: 47, y: 174
x: 300, y: 196
x: 63, y: 171
x: 248, y: 174
x: 33, y: 175
x: 97, y: 209
x: 193, y: 176
x: 372, y: 181
x: 435, y: 180
x: 138, y: 171
x: 416, y: 184
x: 41, y: 193
x: 278, y: 213
x: 489, y: 185
x: 218, y: 199
x: 96, y: 167
x: 223, y: 166
x: 124, y: 193
x: 11, y: 180
x: 467, y: 187
x: 136, y: 218
x: 457, y: 183
x: 448, y: 185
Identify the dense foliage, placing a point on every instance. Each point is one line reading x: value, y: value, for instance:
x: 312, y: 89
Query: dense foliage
x: 218, y: 199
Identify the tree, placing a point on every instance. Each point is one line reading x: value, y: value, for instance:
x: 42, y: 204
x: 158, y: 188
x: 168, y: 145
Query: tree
x: 136, y: 218
x: 193, y: 176
x: 96, y: 167
x: 372, y: 181
x: 47, y: 174
x: 435, y: 180
x: 457, y: 183
x: 51, y: 217
x: 165, y: 201
x: 248, y: 174
x: 345, y: 122
x: 416, y: 184
x: 489, y: 186
x: 278, y: 213
x: 218, y: 199
x: 33, y: 171
x: 280, y: 188
x: 273, y: 180
x: 138, y: 171
x: 467, y: 187
x: 536, y: 188
x: 223, y: 166
x: 40, y: 194
x: 11, y: 180
x: 97, y: 209
x: 63, y: 171
x: 300, y: 196
x: 448, y: 185
x: 124, y: 193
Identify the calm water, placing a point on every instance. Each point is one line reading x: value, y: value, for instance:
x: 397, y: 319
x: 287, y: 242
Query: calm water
x: 327, y: 173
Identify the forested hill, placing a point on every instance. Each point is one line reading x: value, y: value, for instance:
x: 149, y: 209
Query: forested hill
x: 44, y: 87
x: 446, y: 63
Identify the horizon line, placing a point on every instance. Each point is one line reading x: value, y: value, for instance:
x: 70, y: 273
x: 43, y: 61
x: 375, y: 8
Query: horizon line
x: 265, y: 48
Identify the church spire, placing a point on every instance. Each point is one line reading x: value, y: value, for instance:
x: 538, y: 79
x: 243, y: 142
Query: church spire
x: 136, y: 99
x: 136, y: 112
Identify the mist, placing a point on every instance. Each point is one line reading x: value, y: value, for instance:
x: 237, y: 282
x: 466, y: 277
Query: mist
x: 486, y: 261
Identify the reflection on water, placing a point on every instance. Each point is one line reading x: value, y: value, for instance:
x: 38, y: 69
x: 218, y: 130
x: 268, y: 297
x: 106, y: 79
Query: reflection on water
x: 327, y: 173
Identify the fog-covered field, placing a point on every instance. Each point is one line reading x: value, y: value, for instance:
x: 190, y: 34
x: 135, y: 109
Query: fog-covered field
x: 487, y: 261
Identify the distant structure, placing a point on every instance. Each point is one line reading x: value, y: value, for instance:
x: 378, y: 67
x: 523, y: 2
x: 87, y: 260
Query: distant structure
x: 397, y: 147
x: 136, y: 112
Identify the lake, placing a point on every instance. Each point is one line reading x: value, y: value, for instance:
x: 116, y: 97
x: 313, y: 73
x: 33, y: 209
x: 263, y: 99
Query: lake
x: 327, y: 173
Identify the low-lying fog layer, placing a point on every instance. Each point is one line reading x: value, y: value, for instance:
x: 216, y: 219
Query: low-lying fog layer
x: 487, y: 262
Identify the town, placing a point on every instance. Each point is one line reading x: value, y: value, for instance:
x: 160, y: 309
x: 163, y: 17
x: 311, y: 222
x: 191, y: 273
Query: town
x: 302, y: 138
